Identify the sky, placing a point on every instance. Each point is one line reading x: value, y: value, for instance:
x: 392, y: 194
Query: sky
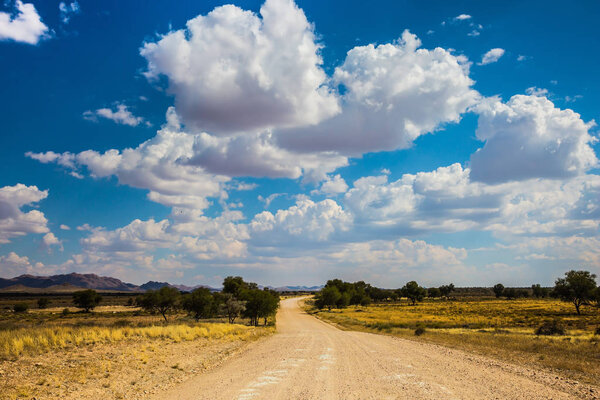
x: 294, y: 142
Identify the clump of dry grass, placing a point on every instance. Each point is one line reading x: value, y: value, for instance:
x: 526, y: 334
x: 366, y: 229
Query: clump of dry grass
x: 35, y: 340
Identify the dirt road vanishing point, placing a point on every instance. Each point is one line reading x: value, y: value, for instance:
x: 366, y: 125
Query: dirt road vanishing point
x: 310, y: 359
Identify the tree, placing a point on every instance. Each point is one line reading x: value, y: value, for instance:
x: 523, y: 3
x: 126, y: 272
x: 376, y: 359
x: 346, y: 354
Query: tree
x: 329, y: 297
x: 445, y: 290
x: 163, y: 300
x: 539, y: 291
x: 200, y: 303
x: 86, y: 299
x: 43, y: 302
x: 236, y: 284
x: 510, y: 293
x: 344, y: 300
x: 260, y: 304
x: 232, y: 306
x: 413, y: 292
x: 434, y: 292
x: 577, y: 287
x: 498, y: 290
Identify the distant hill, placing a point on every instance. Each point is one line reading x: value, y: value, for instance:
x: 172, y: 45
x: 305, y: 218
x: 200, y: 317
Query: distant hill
x: 74, y: 281
x: 153, y: 285
x: 85, y: 281
x: 298, y: 288
x: 62, y: 288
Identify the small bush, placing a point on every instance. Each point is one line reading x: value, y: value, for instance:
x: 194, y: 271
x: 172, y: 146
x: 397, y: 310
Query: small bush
x: 20, y: 307
x: 66, y: 311
x: 43, y: 302
x: 551, y: 328
x: 597, y: 331
x: 419, y: 331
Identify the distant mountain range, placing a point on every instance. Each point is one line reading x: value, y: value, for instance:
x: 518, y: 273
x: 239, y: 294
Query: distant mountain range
x: 74, y: 281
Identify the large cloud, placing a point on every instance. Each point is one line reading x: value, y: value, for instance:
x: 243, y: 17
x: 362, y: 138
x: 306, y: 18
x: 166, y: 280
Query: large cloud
x: 528, y: 137
x: 394, y: 93
x: 155, y: 165
x: 12, y: 265
x: 233, y: 71
x: 13, y: 221
x: 26, y: 26
x: 446, y: 200
x: 258, y: 155
x: 305, y: 221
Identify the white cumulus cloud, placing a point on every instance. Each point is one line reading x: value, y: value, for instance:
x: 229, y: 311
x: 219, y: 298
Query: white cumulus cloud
x: 233, y: 71
x: 13, y: 221
x: 394, y: 93
x: 529, y: 137
x: 25, y: 26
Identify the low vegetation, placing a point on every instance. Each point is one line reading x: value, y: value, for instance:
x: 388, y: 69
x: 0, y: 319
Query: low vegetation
x: 536, y: 326
x: 96, y: 328
x: 14, y: 343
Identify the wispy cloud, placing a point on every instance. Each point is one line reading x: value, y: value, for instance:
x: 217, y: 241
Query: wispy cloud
x: 121, y: 116
x: 67, y: 10
x: 491, y: 56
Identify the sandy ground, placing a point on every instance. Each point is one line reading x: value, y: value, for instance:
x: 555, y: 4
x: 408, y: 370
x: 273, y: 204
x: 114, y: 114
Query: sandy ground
x: 309, y: 359
x: 122, y: 370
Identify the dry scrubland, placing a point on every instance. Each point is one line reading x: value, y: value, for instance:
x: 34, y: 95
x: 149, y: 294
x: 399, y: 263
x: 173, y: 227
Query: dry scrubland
x: 114, y: 352
x: 504, y: 329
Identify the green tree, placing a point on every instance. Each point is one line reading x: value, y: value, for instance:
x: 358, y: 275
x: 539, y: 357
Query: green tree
x: 577, y: 287
x: 328, y: 297
x: 510, y: 293
x: 236, y: 285
x: 200, y: 303
x: 445, y: 290
x: 434, y: 292
x: 538, y: 291
x: 260, y: 304
x: 163, y: 300
x: 498, y: 290
x: 86, y: 299
x: 413, y: 292
x: 232, y: 307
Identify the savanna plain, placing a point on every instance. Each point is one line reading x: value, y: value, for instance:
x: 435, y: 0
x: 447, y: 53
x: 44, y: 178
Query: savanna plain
x: 118, y: 350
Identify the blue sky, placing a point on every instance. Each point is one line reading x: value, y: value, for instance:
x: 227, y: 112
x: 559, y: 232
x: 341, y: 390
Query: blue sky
x: 294, y: 142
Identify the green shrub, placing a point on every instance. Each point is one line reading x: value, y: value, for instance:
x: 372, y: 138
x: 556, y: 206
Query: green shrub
x: 20, y: 307
x: 43, y: 302
x: 597, y: 331
x: 66, y: 311
x: 551, y: 328
x: 419, y: 331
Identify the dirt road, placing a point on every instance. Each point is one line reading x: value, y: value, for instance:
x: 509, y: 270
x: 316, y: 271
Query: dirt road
x: 309, y: 359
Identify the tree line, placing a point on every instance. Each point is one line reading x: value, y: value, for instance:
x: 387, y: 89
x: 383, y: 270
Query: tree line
x: 339, y: 294
x: 237, y: 299
x: 577, y: 287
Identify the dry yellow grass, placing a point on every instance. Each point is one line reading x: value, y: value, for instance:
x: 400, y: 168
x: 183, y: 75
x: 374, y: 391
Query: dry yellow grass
x: 498, y: 328
x: 35, y: 340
